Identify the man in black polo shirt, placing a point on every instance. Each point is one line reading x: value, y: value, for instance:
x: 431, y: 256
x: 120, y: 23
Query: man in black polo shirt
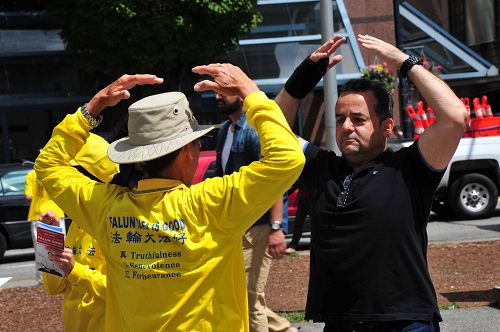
x: 371, y: 205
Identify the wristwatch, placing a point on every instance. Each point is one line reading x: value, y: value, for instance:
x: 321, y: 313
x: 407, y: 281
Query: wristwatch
x: 93, y: 122
x: 408, y: 64
x: 275, y: 225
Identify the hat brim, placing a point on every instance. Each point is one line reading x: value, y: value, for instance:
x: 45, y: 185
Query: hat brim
x: 123, y: 152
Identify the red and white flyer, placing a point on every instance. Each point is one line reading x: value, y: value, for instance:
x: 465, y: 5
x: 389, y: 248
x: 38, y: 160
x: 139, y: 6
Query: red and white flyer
x: 49, y: 240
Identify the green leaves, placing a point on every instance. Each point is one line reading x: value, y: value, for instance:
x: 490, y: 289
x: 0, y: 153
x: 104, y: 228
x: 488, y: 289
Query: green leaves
x: 163, y: 37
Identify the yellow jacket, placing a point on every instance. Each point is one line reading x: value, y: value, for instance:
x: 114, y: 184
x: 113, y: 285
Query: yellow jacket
x: 85, y: 287
x: 40, y: 200
x: 174, y: 252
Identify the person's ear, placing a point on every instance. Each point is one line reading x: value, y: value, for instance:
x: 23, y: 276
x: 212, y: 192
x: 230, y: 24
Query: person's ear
x: 190, y: 150
x: 387, y: 126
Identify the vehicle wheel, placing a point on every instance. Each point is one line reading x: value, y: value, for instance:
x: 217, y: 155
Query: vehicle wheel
x: 473, y: 196
x: 3, y: 246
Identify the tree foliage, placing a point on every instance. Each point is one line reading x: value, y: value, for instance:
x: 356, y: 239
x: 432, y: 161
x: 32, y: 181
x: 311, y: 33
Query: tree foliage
x: 165, y: 37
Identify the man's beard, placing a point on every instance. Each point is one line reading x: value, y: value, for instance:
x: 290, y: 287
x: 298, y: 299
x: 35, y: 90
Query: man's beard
x: 227, y: 110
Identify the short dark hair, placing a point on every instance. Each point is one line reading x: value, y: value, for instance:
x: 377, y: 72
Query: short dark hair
x: 383, y: 109
x: 154, y: 167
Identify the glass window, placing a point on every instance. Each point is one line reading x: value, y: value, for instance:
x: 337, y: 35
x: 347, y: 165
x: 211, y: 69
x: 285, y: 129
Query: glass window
x: 20, y: 41
x: 289, y: 31
x: 480, y: 21
x: 283, y: 19
x: 421, y: 36
x: 13, y: 182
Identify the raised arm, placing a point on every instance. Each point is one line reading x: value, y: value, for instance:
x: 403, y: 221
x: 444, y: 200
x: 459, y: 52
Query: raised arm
x: 306, y: 76
x: 69, y: 189
x: 247, y: 194
x: 438, y: 142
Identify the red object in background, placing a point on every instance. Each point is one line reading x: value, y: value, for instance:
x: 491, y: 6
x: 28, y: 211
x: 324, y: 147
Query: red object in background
x: 206, y: 166
x: 411, y: 112
x: 421, y: 113
x: 478, y: 111
x: 418, y: 128
x: 430, y: 116
x: 206, y: 169
x: 466, y: 102
x: 484, y: 127
x: 486, y: 108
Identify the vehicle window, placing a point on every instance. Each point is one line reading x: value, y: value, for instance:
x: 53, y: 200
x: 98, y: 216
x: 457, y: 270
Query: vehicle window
x: 13, y: 182
x: 210, y: 173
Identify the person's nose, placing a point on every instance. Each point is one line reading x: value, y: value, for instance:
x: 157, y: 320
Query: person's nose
x: 347, y: 125
x: 218, y: 97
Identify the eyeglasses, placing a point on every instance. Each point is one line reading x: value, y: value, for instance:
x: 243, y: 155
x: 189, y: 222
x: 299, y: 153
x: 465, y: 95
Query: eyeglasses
x: 342, y: 199
x: 200, y: 142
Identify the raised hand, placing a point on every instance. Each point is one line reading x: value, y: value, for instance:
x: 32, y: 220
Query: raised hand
x: 391, y: 54
x: 327, y: 49
x: 229, y: 80
x: 118, y: 90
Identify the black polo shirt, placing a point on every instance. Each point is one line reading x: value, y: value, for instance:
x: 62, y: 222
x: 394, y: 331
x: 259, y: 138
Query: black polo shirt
x: 369, y: 257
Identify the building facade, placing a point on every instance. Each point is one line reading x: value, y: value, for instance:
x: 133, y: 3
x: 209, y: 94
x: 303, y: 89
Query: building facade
x: 39, y: 82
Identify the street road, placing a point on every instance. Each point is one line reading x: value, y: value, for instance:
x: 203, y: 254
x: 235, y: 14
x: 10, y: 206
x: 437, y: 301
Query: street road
x: 20, y: 264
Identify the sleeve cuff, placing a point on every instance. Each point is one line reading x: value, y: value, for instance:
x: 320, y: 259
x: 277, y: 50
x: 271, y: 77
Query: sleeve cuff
x: 76, y: 273
x: 254, y: 98
x: 81, y: 119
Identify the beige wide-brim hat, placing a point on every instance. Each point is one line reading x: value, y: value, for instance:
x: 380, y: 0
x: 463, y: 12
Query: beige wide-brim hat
x: 157, y: 125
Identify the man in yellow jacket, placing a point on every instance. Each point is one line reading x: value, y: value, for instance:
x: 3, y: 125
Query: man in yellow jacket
x: 83, y: 262
x: 173, y: 249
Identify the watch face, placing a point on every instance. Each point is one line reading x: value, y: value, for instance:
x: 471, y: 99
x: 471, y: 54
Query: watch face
x: 275, y: 227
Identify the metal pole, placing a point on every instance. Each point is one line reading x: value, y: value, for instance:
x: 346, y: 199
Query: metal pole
x: 330, y: 79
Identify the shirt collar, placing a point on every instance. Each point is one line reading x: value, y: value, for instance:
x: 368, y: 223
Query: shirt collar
x: 368, y: 165
x: 241, y: 121
x: 157, y: 184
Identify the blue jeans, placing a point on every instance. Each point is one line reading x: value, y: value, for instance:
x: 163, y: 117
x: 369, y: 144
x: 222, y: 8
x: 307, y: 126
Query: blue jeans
x: 395, y: 326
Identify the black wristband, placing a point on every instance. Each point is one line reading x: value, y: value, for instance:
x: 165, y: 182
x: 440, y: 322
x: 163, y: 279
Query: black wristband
x: 305, y: 77
x: 408, y: 64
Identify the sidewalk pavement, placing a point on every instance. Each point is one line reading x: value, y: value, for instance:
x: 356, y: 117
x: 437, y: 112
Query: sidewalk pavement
x: 478, y: 319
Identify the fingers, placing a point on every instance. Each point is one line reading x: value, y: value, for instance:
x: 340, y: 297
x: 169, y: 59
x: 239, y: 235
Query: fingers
x: 374, y: 43
x: 211, y: 69
x: 129, y: 81
x: 334, y: 60
x: 118, y: 90
x: 389, y: 53
x: 206, y: 85
x: 277, y: 250
x: 328, y: 48
x: 63, y: 259
x: 228, y: 80
x: 50, y: 217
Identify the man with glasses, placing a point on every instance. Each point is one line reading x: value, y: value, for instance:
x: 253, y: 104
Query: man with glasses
x: 371, y: 205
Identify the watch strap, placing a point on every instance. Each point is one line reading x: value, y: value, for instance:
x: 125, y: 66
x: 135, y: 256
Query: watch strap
x: 93, y: 122
x: 408, y: 64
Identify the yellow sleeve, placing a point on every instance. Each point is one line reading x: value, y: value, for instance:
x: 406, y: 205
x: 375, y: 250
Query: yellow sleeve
x: 30, y: 183
x: 53, y: 284
x: 234, y: 202
x: 81, y: 198
x: 93, y: 281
